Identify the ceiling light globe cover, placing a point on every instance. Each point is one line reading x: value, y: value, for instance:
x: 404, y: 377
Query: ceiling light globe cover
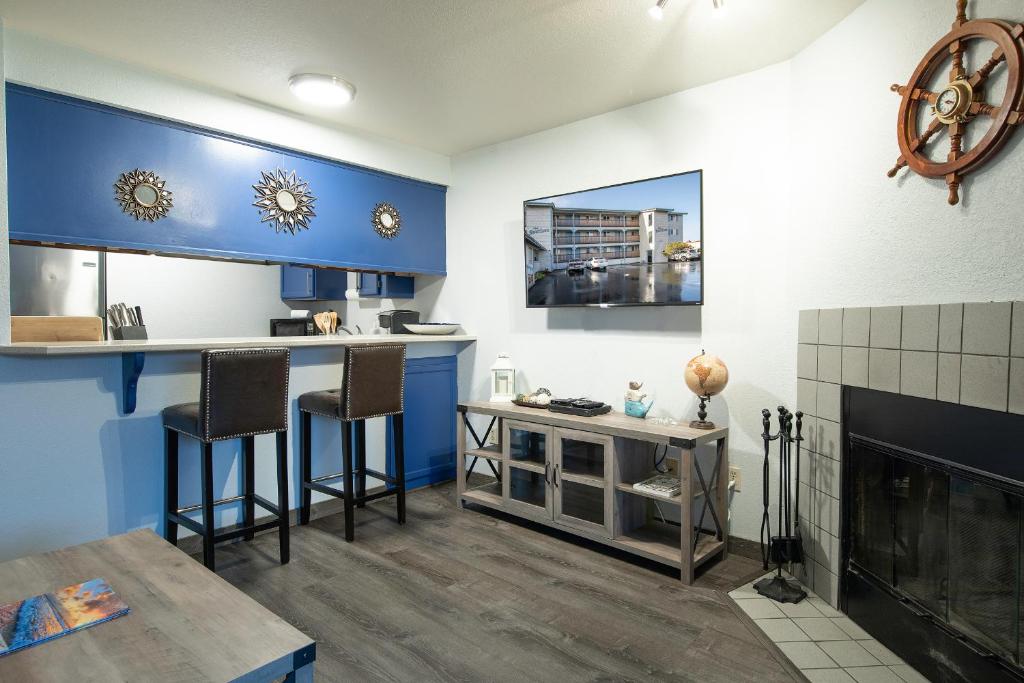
x: 656, y: 13
x: 322, y: 89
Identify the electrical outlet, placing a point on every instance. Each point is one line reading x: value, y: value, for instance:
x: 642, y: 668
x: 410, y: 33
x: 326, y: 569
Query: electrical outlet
x: 492, y: 438
x: 735, y: 478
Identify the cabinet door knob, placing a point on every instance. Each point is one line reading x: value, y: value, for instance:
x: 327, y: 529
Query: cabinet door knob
x: 546, y: 480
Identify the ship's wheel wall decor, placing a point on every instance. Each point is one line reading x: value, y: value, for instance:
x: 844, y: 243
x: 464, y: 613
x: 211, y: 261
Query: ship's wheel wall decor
x: 960, y: 104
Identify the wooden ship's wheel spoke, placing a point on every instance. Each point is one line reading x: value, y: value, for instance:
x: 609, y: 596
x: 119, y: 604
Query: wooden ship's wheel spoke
x: 961, y: 101
x: 915, y: 93
x: 978, y: 78
x: 916, y: 144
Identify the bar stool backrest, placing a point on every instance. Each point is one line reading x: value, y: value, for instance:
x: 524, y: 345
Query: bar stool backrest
x: 244, y: 392
x: 373, y: 381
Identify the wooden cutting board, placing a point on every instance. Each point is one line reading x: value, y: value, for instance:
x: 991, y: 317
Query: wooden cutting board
x: 54, y: 328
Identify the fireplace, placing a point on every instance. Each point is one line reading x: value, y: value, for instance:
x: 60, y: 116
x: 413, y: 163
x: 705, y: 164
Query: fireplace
x: 932, y: 536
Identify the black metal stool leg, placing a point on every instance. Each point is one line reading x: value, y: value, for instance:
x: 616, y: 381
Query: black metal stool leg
x: 398, y: 429
x: 171, y: 485
x: 208, y: 527
x: 360, y: 426
x: 346, y: 457
x: 305, y: 464
x: 249, y: 482
x: 282, y: 495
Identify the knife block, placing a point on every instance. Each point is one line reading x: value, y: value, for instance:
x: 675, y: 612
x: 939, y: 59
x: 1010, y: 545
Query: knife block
x: 129, y: 332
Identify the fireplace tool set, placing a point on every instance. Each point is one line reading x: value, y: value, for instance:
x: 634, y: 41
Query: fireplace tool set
x: 786, y: 546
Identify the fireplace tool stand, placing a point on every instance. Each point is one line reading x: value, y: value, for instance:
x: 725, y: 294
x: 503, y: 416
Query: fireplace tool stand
x: 786, y: 547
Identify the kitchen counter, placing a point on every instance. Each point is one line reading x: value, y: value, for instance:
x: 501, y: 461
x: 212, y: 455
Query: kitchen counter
x: 80, y: 348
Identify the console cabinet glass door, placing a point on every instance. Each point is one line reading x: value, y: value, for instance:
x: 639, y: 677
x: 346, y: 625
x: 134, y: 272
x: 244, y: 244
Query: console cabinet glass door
x: 582, y: 481
x: 527, y: 479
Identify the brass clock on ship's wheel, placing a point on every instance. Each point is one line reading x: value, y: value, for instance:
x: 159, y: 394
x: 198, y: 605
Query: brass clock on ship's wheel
x: 960, y: 104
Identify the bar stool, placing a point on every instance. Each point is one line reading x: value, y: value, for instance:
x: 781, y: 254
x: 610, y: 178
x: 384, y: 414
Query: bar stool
x: 372, y: 385
x: 244, y: 393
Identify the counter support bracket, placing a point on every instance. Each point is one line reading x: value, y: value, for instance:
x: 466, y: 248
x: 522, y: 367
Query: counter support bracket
x: 131, y: 369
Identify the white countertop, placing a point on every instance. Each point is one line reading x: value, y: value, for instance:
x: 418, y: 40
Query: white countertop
x: 80, y: 348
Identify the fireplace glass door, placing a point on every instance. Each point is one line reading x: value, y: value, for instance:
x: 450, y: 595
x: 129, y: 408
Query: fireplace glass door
x: 951, y: 545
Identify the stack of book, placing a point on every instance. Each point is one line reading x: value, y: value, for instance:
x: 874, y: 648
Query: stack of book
x: 661, y: 485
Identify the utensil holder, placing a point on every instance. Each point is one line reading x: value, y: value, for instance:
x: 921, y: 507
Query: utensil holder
x: 129, y: 332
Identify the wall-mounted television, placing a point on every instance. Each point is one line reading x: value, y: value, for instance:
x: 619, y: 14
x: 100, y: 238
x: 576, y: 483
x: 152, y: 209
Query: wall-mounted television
x: 633, y: 244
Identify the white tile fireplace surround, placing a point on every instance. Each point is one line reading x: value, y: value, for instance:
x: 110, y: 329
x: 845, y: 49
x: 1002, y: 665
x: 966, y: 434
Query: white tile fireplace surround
x: 971, y: 354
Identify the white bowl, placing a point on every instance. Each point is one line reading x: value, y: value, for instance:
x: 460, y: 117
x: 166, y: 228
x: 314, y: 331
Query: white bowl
x: 299, y: 314
x: 432, y: 328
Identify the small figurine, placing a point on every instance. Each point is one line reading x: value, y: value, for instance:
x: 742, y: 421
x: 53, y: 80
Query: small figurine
x: 633, y: 394
x: 635, y: 406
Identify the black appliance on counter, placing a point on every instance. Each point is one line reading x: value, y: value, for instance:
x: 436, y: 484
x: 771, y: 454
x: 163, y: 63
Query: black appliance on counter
x: 292, y: 327
x: 395, y: 321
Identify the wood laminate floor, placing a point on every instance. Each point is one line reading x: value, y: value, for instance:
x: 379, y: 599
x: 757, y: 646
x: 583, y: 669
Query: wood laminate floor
x: 470, y: 596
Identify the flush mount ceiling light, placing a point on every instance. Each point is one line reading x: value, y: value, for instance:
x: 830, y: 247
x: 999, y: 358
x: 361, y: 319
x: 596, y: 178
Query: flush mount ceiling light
x: 322, y: 90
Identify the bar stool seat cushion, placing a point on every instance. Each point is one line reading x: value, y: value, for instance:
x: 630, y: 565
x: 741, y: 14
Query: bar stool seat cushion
x: 183, y: 418
x: 325, y: 403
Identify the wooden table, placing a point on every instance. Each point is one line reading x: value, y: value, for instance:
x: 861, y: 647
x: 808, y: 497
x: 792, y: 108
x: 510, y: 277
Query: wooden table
x: 621, y: 446
x: 185, y: 624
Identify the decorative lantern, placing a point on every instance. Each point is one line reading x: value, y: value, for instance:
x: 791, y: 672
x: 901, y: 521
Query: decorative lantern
x: 503, y: 379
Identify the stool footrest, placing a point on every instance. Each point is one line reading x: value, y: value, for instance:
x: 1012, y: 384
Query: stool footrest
x: 222, y: 501
x: 380, y: 475
x: 190, y: 524
x: 374, y: 496
x: 266, y: 505
x: 314, y: 486
x: 355, y: 475
x: 238, y: 533
x: 339, y: 493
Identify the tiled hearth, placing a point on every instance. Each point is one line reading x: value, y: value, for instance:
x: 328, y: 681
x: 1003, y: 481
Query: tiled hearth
x: 972, y: 354
x: 820, y: 641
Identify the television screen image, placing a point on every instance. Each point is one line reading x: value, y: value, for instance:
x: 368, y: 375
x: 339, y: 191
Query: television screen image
x: 633, y: 244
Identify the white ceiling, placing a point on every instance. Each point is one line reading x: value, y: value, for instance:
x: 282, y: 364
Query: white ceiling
x: 445, y: 75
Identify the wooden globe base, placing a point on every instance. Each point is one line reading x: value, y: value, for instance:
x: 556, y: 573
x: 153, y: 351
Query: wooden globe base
x: 702, y: 414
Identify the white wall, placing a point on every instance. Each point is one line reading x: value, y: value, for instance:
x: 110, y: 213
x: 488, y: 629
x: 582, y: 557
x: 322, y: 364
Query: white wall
x: 596, y: 352
x: 798, y: 214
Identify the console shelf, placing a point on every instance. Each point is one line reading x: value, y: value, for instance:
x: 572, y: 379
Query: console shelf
x: 577, y: 473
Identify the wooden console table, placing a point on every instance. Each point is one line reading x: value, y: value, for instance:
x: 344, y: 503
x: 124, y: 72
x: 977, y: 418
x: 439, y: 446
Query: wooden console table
x: 577, y: 474
x: 185, y: 623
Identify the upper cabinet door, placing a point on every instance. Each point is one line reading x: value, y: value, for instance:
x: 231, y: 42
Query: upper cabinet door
x: 64, y: 156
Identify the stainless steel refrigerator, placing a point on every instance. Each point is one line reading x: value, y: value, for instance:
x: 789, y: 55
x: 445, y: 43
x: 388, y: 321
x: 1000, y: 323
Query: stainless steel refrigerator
x: 52, y: 281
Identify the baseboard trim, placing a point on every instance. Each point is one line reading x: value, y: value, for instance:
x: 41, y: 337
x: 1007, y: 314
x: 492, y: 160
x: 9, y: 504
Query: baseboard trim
x: 745, y: 548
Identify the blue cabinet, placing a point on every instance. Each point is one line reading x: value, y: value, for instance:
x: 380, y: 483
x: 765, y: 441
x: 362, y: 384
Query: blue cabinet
x: 431, y: 399
x: 301, y: 283
x: 64, y: 155
x: 382, y: 286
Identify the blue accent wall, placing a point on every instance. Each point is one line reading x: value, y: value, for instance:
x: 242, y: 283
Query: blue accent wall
x: 64, y: 155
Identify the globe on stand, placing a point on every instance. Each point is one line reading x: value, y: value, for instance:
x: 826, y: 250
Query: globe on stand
x: 706, y: 376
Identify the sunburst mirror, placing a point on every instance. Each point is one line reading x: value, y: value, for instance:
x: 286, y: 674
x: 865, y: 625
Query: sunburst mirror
x: 285, y: 201
x: 386, y: 220
x: 143, y: 194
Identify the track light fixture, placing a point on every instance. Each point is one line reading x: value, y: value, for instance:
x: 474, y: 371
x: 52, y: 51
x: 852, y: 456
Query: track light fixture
x: 657, y: 12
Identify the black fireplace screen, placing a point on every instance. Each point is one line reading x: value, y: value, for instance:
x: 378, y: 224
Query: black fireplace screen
x: 948, y: 543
